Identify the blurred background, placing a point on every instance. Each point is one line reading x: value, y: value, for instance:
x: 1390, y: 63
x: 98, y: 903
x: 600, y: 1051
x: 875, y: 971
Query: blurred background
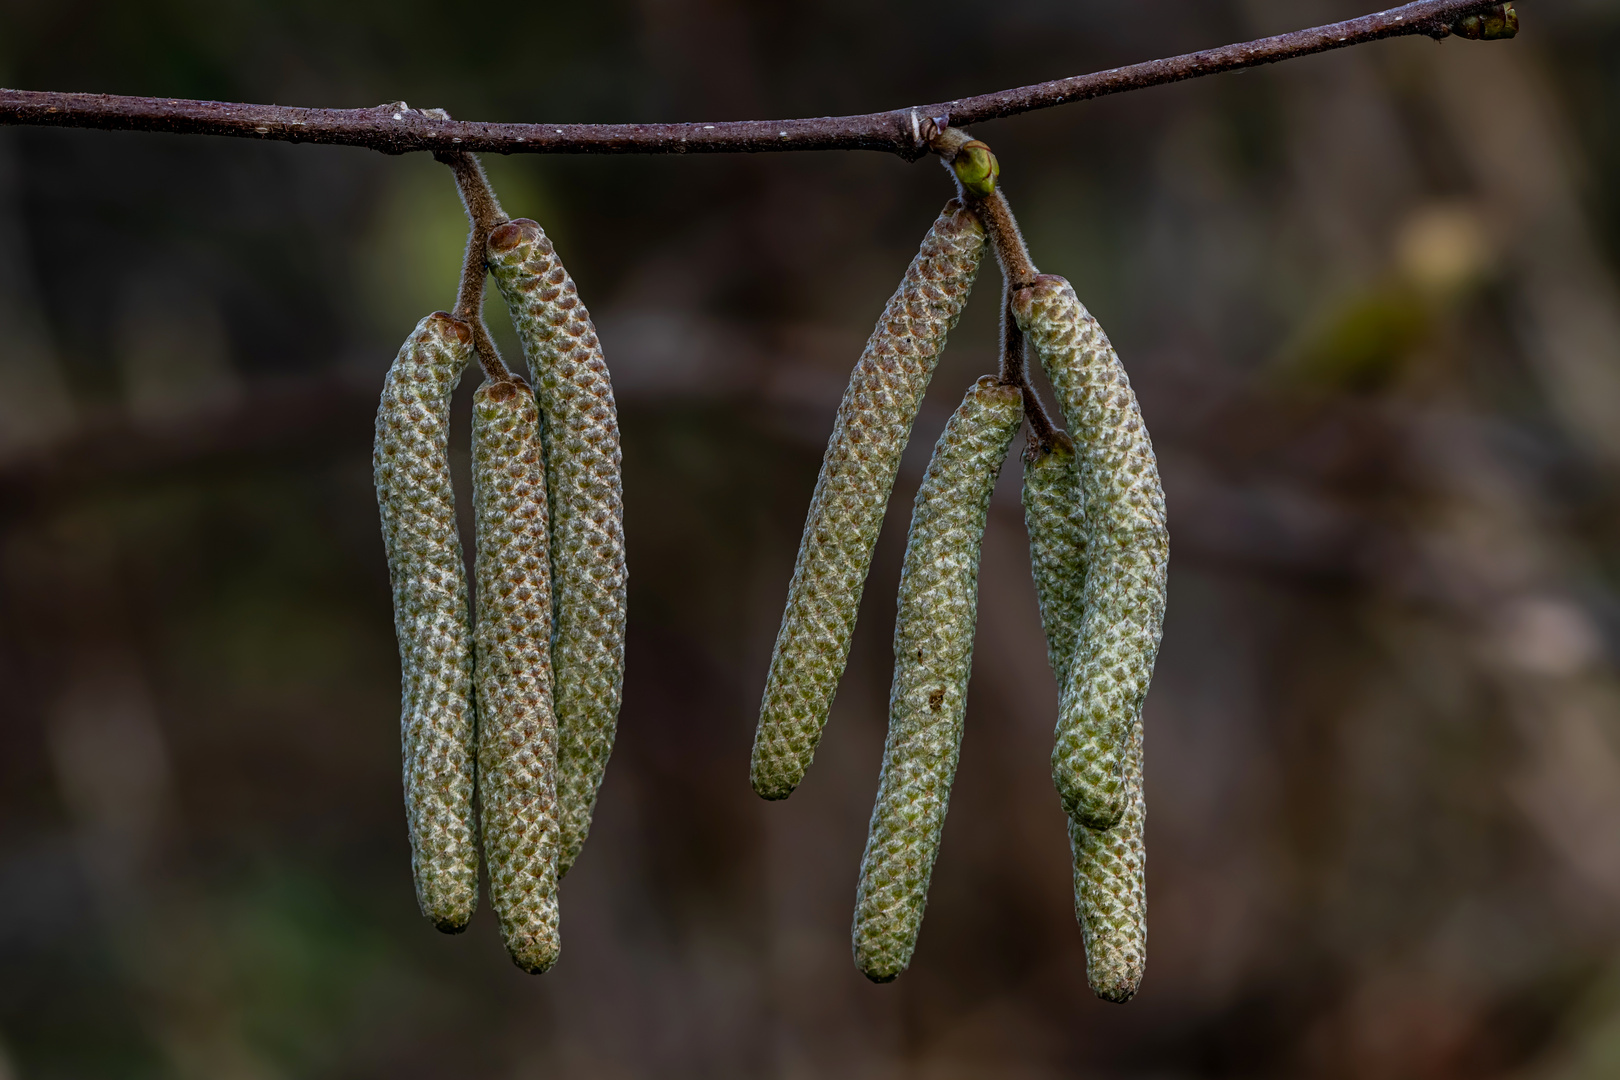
x: 1369, y: 301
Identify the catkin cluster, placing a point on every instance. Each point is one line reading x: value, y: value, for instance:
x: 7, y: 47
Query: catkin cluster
x: 522, y: 710
x: 1094, y: 510
x: 543, y: 669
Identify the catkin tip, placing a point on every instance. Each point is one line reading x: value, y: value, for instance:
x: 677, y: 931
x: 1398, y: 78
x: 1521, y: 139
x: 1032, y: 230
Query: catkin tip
x: 454, y: 925
x: 534, y: 959
x: 512, y: 233
x: 498, y: 392
x: 448, y: 326
x: 1095, y: 813
x: 772, y: 788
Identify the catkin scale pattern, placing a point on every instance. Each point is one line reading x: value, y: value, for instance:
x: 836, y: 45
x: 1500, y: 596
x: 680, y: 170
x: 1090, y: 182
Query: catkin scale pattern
x: 1054, y: 517
x: 846, y: 512
x: 411, y: 469
x: 517, y: 731
x: 933, y: 654
x: 1110, y: 889
x: 1126, y: 554
x: 580, y: 441
x: 1110, y: 865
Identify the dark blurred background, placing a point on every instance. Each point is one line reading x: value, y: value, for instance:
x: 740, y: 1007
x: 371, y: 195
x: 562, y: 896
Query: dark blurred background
x: 1369, y: 301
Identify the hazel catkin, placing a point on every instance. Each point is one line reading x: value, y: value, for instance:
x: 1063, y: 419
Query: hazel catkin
x: 857, y: 473
x: 1054, y: 517
x: 517, y: 731
x: 1126, y: 555
x: 412, y: 473
x: 1110, y: 895
x: 933, y: 655
x: 580, y: 440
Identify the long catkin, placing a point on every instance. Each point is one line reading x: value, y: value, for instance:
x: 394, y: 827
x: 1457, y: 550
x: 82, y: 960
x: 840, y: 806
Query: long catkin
x: 857, y: 473
x: 517, y: 731
x: 412, y: 471
x: 1127, y: 551
x: 933, y: 654
x: 580, y: 439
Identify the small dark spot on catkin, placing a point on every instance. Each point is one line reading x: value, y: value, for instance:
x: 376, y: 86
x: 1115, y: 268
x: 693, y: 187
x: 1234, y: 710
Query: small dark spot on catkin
x: 936, y: 698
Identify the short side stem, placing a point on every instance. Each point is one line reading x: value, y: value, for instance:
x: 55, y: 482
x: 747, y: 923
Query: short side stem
x: 484, y: 214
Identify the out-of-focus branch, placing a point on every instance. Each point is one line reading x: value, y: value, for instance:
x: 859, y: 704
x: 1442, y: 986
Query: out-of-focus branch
x: 397, y: 129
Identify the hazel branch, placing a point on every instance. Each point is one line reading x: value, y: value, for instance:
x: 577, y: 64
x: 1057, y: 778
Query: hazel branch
x: 397, y: 129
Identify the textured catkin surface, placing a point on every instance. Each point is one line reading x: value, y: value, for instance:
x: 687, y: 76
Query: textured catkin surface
x: 1110, y: 889
x: 1054, y: 517
x: 1127, y: 551
x: 517, y: 732
x: 933, y: 654
x: 857, y: 473
x: 412, y: 473
x: 580, y: 437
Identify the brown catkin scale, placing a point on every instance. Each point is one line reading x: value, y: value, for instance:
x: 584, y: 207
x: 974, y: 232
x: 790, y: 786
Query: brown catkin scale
x: 412, y: 472
x: 933, y: 655
x: 580, y: 440
x: 1127, y: 551
x: 517, y: 732
x: 1110, y: 889
x: 857, y: 473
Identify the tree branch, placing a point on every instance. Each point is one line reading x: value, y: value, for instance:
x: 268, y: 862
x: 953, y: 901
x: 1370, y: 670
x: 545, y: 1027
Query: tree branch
x: 397, y: 129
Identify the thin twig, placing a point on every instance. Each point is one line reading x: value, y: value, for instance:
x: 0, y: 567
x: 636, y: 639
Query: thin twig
x: 397, y: 129
x: 483, y: 215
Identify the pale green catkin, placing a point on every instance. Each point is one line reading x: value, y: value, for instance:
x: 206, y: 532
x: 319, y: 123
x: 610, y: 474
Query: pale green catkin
x: 517, y: 731
x: 412, y: 470
x: 857, y: 473
x: 580, y: 439
x: 1110, y: 889
x: 933, y: 654
x: 1127, y: 551
x: 1054, y: 517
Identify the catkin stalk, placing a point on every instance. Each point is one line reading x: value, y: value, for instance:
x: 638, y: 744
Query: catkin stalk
x: 580, y: 439
x: 933, y: 654
x: 517, y: 731
x: 1127, y: 551
x: 412, y: 471
x: 1110, y: 889
x: 857, y: 473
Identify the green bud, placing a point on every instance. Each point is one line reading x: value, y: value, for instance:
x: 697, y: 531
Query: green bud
x: 1499, y: 23
x: 1496, y: 24
x: 977, y: 168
